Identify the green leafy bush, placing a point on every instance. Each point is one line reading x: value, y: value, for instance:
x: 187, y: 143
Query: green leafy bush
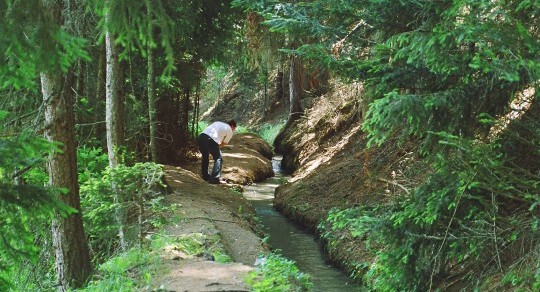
x: 138, y: 189
x: 269, y: 132
x: 201, y: 125
x: 473, y: 210
x: 276, y: 273
x: 128, y: 271
x: 91, y: 162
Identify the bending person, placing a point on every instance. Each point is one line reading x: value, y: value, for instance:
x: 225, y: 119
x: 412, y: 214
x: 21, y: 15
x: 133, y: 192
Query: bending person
x: 214, y: 136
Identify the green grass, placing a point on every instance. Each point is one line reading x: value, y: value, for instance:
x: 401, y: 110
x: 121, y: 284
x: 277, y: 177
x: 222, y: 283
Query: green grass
x: 128, y: 271
x: 242, y: 130
x: 221, y: 257
x: 201, y: 125
x: 277, y: 273
x: 269, y: 132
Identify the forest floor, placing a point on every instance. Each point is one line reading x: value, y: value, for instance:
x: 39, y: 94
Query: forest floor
x: 217, y: 217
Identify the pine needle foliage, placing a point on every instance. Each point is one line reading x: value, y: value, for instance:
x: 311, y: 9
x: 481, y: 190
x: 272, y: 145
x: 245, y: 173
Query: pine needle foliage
x: 23, y: 206
x: 32, y: 43
x: 129, y: 23
x: 437, y: 63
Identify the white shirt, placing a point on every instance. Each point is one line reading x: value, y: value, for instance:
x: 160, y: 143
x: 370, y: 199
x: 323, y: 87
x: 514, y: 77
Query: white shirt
x: 219, y: 132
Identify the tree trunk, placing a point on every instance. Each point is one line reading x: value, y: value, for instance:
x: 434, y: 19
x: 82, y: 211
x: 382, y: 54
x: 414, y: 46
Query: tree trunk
x: 184, y: 118
x: 72, y: 262
x: 195, y: 115
x: 152, y: 103
x: 112, y: 120
x: 295, y: 110
x: 265, y: 99
x: 100, y: 96
x: 197, y: 109
x: 112, y: 102
x: 72, y: 259
x: 169, y: 142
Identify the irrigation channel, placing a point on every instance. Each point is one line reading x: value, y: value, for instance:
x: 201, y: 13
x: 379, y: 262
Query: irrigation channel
x: 292, y: 240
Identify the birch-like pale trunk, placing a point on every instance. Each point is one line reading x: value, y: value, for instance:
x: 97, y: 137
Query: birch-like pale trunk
x: 112, y: 121
x: 152, y: 102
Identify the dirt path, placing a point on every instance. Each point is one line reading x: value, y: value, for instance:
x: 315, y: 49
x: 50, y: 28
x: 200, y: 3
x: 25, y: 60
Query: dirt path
x: 217, y: 215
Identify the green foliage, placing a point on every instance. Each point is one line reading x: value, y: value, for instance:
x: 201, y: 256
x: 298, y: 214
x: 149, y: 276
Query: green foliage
x: 129, y: 21
x: 138, y: 187
x: 201, y: 125
x: 191, y: 244
x: 127, y: 271
x: 434, y: 70
x: 221, y: 257
x: 433, y: 66
x: 25, y: 208
x: 91, y: 162
x: 269, y: 132
x: 32, y: 42
x: 460, y: 216
x: 242, y: 130
x: 276, y: 273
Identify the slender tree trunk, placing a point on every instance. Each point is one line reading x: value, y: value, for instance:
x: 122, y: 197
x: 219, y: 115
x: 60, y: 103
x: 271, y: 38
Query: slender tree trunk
x: 72, y: 262
x: 295, y: 110
x: 100, y: 95
x: 265, y: 92
x: 295, y: 88
x: 279, y: 84
x: 184, y: 118
x: 195, y: 117
x: 197, y: 107
x: 152, y: 103
x: 112, y: 121
x: 112, y: 102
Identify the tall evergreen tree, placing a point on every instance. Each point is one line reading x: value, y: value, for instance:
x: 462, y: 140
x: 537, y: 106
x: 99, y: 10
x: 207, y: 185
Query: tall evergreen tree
x: 72, y: 264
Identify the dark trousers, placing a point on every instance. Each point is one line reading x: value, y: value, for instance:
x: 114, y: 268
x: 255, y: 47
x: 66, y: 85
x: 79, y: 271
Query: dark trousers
x: 208, y: 146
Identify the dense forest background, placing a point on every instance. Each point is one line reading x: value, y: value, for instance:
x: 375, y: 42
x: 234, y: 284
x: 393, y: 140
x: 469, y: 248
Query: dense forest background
x: 93, y: 94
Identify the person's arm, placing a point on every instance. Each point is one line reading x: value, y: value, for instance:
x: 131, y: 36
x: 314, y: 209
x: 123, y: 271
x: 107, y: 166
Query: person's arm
x: 226, y: 139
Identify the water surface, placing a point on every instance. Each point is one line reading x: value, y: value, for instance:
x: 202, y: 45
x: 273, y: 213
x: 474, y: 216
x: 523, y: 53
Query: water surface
x: 294, y: 241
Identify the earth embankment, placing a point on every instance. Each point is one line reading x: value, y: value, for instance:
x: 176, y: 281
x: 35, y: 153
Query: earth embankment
x: 218, y: 217
x: 333, y: 168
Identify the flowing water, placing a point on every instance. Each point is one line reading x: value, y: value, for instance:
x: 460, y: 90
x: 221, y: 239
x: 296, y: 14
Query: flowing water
x: 293, y: 241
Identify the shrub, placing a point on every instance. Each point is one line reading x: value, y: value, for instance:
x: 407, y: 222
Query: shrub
x: 128, y: 271
x: 473, y: 211
x: 269, y: 132
x: 138, y: 189
x: 276, y: 273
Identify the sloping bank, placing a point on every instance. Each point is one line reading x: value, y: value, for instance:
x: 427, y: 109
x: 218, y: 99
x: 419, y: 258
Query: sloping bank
x: 213, y: 242
x: 331, y: 168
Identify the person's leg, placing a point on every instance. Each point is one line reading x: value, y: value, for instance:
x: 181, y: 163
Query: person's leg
x: 213, y: 148
x: 203, y: 148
